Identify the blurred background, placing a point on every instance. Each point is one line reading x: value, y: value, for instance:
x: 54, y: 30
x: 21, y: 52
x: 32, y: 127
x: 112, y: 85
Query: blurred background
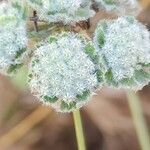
x: 27, y: 125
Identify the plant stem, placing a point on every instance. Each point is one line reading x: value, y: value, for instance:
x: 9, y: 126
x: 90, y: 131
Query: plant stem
x: 79, y: 130
x: 139, y: 121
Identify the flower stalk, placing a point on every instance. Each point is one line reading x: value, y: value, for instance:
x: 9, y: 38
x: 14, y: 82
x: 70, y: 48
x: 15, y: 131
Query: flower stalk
x: 139, y: 121
x: 79, y: 130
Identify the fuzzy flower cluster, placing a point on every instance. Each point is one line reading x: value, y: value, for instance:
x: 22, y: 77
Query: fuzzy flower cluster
x: 121, y: 7
x: 61, y: 73
x: 67, y: 11
x: 124, y: 45
x: 13, y: 39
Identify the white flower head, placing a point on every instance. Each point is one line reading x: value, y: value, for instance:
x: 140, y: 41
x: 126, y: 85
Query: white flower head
x: 13, y: 39
x: 67, y: 11
x: 121, y: 7
x: 124, y: 45
x: 62, y: 73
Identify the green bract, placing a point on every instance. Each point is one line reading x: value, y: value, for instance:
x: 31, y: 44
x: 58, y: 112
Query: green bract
x: 124, y: 45
x: 62, y: 72
x: 66, y: 11
x: 13, y: 39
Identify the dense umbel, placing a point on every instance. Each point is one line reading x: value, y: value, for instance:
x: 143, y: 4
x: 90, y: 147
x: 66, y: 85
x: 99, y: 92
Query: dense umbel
x: 67, y: 11
x: 124, y: 45
x: 62, y: 73
x: 13, y: 38
x: 121, y: 7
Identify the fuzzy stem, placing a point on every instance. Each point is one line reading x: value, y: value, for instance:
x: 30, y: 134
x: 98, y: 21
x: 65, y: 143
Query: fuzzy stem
x: 139, y: 121
x: 79, y: 130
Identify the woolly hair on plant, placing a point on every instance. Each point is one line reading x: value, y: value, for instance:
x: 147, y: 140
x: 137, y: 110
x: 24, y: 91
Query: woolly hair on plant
x: 13, y: 38
x: 62, y: 73
x: 66, y: 11
x: 124, y: 45
x: 121, y: 7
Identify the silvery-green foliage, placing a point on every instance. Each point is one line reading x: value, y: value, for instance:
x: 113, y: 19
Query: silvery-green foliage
x: 124, y: 45
x: 121, y: 7
x: 62, y: 73
x: 13, y: 39
x: 67, y: 11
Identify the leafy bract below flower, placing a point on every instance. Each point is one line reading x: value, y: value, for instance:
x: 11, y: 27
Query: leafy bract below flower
x: 13, y: 39
x: 66, y: 11
x: 121, y: 7
x: 62, y: 74
x: 124, y: 45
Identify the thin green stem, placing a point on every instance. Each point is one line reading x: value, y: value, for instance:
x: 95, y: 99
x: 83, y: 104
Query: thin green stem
x: 139, y: 121
x: 79, y: 130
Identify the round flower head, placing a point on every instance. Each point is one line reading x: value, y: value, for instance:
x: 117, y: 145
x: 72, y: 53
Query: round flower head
x: 124, y: 45
x: 67, y: 11
x: 13, y: 39
x: 121, y: 7
x: 62, y: 74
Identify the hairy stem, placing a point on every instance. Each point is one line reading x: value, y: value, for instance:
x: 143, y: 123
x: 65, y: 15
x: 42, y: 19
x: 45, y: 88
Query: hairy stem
x: 79, y: 130
x: 139, y: 121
